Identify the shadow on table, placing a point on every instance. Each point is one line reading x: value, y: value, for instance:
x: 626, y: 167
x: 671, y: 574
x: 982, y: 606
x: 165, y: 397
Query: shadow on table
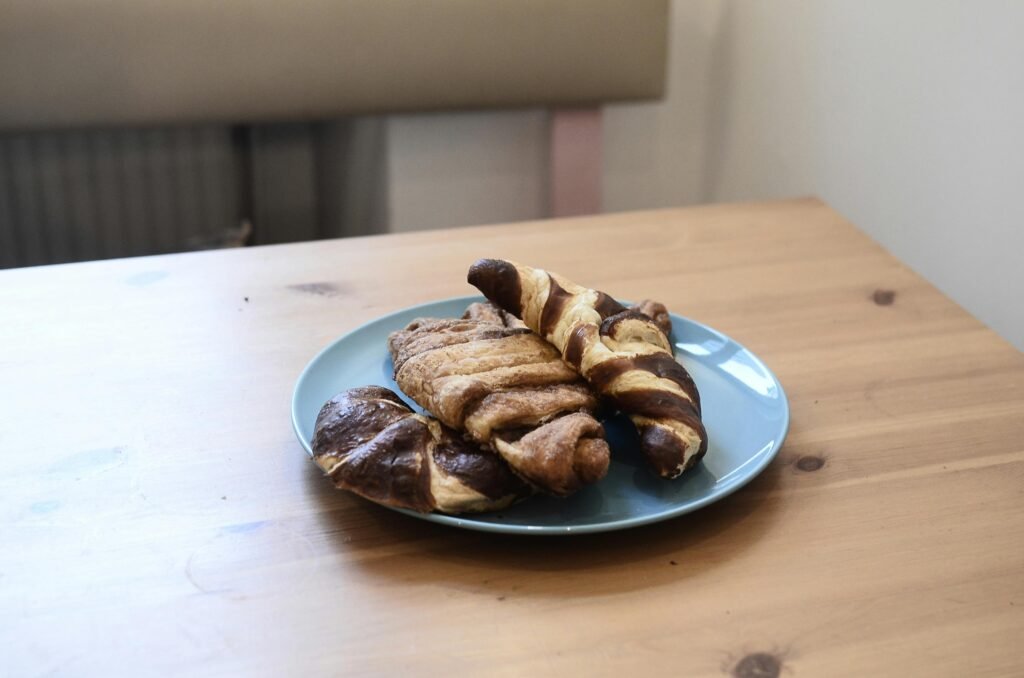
x: 408, y: 551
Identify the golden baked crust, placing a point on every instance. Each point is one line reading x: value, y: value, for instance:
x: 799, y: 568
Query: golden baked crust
x: 571, y: 447
x: 369, y: 442
x: 624, y: 354
x: 492, y: 313
x: 504, y: 386
x: 657, y: 312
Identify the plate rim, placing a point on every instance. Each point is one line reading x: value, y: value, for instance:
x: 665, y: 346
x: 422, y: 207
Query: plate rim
x: 464, y: 522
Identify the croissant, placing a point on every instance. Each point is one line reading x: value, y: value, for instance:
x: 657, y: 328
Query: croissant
x: 622, y: 352
x: 369, y: 442
x: 507, y: 388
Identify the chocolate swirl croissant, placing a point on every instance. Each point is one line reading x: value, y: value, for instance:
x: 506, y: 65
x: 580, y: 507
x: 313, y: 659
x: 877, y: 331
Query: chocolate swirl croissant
x: 623, y: 353
x: 493, y: 378
x: 369, y: 442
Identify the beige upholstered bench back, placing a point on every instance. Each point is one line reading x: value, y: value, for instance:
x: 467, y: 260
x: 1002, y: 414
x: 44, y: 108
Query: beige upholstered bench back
x: 113, y: 62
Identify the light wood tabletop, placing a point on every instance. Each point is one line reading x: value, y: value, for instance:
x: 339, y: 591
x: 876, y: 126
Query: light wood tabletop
x: 157, y: 515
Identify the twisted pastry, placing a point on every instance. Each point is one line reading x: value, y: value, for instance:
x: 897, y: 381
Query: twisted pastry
x: 507, y: 388
x: 622, y: 352
x: 369, y: 442
x: 657, y: 312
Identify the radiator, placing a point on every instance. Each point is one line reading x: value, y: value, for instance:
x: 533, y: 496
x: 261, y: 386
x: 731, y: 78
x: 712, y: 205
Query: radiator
x: 78, y: 195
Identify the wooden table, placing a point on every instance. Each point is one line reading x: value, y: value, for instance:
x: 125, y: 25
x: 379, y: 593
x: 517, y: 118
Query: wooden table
x: 157, y: 515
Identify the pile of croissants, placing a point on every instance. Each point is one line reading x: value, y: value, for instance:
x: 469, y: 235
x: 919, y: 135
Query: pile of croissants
x: 515, y: 388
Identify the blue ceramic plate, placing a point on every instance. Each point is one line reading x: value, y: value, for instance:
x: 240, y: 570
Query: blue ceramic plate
x: 744, y: 408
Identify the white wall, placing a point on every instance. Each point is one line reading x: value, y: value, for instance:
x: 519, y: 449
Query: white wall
x: 907, y: 117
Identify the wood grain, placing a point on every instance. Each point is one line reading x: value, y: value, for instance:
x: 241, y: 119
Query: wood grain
x: 158, y: 516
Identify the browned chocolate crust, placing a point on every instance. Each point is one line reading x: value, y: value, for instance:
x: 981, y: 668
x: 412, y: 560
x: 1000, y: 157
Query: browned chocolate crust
x: 369, y: 442
x: 502, y: 282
